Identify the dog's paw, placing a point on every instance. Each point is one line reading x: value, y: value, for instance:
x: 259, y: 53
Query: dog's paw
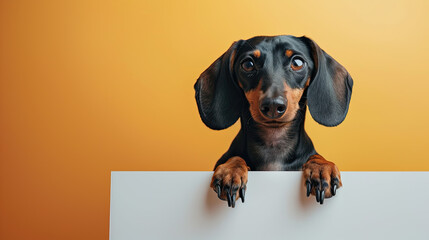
x: 322, y: 178
x: 230, y: 179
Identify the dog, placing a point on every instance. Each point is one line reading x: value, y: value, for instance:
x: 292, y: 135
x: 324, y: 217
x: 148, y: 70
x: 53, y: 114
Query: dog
x: 267, y: 82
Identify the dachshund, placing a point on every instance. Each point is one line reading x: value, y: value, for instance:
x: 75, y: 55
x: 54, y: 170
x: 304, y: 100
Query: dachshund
x: 267, y: 82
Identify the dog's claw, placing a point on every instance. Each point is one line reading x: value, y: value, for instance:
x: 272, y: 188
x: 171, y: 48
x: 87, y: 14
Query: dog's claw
x: 308, y: 188
x: 218, y: 190
x: 242, y: 192
x: 233, y: 200
x: 317, y: 195
x: 334, y: 190
x: 228, y: 197
x: 322, y: 196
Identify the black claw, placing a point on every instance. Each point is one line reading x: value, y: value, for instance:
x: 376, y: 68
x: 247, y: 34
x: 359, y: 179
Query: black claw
x: 308, y: 188
x: 242, y: 192
x: 335, y: 183
x: 317, y: 195
x: 233, y: 200
x: 322, y: 196
x: 218, y: 191
x: 228, y: 197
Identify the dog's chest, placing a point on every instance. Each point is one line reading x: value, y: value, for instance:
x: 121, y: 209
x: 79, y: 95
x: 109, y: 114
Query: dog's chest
x: 271, y: 148
x: 271, y: 158
x: 273, y: 153
x: 272, y: 166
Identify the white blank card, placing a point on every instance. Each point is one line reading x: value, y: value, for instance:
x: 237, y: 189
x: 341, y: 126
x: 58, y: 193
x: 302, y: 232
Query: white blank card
x: 180, y: 205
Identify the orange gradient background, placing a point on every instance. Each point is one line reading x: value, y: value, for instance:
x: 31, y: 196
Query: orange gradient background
x: 87, y: 87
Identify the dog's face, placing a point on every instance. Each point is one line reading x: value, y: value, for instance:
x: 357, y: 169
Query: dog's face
x: 272, y: 75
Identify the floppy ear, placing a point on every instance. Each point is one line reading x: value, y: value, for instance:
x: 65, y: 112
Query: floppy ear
x: 330, y: 88
x: 219, y: 99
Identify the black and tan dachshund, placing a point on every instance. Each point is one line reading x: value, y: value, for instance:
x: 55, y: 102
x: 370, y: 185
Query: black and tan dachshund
x: 267, y: 83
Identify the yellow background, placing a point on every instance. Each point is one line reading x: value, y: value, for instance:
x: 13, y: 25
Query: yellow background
x: 89, y: 86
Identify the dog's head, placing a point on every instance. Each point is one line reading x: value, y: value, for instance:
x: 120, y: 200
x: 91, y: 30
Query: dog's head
x: 270, y: 76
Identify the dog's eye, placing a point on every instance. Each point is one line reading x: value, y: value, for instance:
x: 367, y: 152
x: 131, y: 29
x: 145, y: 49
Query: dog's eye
x: 248, y: 65
x: 297, y: 64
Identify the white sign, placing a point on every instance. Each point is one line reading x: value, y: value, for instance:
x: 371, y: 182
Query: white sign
x: 180, y: 205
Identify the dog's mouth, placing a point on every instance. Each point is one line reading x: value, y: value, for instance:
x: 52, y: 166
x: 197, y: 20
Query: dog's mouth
x: 274, y: 124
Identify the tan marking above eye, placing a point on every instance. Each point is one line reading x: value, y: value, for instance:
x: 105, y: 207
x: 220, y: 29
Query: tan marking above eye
x: 257, y: 53
x: 289, y: 53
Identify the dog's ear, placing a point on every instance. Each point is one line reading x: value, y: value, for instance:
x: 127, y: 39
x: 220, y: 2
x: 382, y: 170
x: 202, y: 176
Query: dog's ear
x: 330, y: 88
x: 219, y: 99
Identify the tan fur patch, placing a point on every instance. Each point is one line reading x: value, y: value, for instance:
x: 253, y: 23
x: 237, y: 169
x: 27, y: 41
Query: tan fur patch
x: 253, y: 97
x: 257, y: 53
x: 293, y: 95
x: 289, y: 53
x: 307, y: 83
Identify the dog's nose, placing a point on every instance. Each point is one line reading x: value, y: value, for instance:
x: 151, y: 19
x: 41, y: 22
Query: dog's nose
x: 273, y: 107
